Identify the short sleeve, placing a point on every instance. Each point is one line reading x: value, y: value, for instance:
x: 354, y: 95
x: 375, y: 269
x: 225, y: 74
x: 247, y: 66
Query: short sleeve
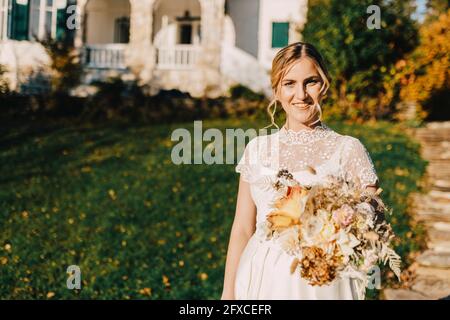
x: 248, y: 163
x: 357, y: 165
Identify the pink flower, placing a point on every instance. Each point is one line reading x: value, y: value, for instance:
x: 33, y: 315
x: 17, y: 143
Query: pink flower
x: 343, y: 215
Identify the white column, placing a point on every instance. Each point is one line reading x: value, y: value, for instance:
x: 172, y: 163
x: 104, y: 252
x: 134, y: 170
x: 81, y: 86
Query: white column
x: 3, y: 19
x: 140, y: 52
x: 141, y: 21
x: 213, y: 14
x: 81, y: 10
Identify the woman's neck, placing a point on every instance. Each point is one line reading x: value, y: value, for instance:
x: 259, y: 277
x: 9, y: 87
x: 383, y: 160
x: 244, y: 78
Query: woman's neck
x: 297, y: 126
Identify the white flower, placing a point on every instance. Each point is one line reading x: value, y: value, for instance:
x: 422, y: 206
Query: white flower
x: 344, y: 215
x: 367, y: 211
x: 318, y: 229
x: 364, y: 206
x: 346, y: 242
x: 370, y: 258
x: 289, y: 240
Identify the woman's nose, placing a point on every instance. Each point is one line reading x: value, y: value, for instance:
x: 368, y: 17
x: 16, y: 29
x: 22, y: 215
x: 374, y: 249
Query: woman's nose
x: 300, y: 93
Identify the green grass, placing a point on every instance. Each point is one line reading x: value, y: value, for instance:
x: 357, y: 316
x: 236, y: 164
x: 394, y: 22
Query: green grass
x: 108, y: 199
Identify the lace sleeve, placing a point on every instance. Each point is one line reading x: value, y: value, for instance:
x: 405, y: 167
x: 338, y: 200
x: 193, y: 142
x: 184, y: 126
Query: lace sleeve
x: 247, y: 164
x: 358, y: 166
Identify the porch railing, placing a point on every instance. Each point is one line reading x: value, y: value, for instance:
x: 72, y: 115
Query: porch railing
x: 105, y: 56
x: 181, y: 56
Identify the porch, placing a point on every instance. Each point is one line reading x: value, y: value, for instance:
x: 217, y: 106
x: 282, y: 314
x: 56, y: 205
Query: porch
x: 113, y: 56
x: 108, y: 34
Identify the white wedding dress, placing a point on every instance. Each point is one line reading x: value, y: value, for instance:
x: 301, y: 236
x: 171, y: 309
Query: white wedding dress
x: 310, y: 155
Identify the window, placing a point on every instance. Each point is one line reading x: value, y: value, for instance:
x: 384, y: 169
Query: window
x: 280, y: 34
x: 186, y: 33
x: 43, y: 18
x: 35, y: 17
x: 188, y: 28
x: 50, y: 16
x: 122, y: 30
x: 19, y: 18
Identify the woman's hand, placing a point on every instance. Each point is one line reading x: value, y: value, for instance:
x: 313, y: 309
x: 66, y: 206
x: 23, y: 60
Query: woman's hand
x: 227, y: 296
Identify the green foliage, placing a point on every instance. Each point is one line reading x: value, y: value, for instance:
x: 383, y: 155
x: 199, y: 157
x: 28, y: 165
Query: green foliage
x: 240, y: 91
x: 109, y: 199
x: 4, y: 84
x: 359, y: 58
x: 66, y: 64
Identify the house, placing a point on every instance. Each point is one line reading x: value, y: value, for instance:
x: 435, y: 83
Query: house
x: 197, y: 46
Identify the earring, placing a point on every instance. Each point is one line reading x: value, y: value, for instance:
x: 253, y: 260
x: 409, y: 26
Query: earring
x: 320, y: 112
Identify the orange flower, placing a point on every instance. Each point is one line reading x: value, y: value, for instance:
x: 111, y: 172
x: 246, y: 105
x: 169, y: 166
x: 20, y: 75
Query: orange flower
x: 289, y: 209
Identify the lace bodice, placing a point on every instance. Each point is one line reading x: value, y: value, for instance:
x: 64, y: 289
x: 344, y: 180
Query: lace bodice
x: 311, y: 155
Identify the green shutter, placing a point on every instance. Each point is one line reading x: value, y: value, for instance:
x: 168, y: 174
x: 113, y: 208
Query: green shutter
x: 19, y: 25
x: 61, y: 24
x: 64, y: 33
x: 280, y: 34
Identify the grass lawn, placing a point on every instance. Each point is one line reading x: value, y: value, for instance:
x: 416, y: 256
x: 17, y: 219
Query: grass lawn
x: 108, y: 199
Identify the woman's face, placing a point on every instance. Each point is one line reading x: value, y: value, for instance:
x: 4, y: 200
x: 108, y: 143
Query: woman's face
x: 300, y: 91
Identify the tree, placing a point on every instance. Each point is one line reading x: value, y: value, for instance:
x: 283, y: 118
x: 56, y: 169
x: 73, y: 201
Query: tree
x: 360, y: 58
x: 435, y: 8
x: 426, y: 75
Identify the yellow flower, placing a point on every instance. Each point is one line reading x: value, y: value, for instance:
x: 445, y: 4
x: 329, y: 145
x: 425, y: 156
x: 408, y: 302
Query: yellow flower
x: 146, y: 291
x: 165, y: 280
x: 50, y: 295
x: 112, y: 194
x: 203, y: 276
x: 289, y: 208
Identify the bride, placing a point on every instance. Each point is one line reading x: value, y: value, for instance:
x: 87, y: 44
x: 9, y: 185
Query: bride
x: 257, y: 268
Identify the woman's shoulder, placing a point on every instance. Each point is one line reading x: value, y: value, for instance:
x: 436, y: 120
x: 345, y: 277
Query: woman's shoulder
x: 347, y: 139
x: 353, y: 142
x: 263, y: 137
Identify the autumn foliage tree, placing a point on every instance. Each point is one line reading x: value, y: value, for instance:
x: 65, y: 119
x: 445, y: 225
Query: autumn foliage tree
x: 362, y: 60
x: 426, y: 73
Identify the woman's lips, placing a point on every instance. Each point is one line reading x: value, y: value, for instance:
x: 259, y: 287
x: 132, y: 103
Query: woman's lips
x: 301, y: 106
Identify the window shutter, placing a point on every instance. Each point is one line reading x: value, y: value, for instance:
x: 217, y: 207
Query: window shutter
x: 19, y: 25
x: 62, y: 32
x: 280, y: 34
x: 61, y: 29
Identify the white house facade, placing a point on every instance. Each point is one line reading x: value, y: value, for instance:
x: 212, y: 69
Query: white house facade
x: 197, y: 46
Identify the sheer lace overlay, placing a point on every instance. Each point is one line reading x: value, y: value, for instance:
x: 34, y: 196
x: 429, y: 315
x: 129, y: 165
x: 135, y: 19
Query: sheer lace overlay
x: 310, y: 154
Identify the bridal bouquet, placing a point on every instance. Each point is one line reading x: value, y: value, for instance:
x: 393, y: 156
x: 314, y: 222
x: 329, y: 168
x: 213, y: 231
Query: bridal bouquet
x: 331, y: 230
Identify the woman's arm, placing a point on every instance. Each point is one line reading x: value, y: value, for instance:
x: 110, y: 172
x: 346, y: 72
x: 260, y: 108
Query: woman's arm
x: 243, y: 228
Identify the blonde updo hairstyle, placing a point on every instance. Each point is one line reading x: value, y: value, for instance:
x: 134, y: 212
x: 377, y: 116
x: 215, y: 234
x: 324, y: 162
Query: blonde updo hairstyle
x: 281, y: 64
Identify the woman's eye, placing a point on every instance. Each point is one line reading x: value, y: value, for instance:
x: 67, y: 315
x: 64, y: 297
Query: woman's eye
x: 289, y: 84
x: 312, y: 82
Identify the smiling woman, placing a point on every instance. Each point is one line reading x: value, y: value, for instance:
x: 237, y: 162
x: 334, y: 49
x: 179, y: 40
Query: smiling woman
x: 314, y: 154
x: 300, y: 81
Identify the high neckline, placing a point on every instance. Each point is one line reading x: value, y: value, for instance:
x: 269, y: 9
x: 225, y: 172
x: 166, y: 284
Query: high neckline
x: 305, y: 129
x: 304, y: 136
